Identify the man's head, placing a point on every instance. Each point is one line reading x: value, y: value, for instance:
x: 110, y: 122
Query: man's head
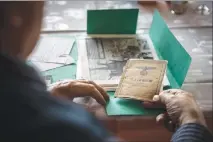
x: 20, y: 24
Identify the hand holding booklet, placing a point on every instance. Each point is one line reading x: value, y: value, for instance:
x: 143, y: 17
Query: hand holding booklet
x: 141, y: 79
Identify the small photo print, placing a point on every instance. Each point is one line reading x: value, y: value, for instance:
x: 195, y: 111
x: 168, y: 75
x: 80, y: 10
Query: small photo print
x: 145, y: 55
x: 143, y: 44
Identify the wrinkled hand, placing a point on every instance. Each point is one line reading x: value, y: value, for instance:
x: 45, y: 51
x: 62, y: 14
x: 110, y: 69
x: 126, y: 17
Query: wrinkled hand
x: 181, y: 107
x: 80, y: 88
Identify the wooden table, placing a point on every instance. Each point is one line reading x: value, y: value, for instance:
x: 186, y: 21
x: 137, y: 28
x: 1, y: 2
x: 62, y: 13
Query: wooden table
x: 144, y: 128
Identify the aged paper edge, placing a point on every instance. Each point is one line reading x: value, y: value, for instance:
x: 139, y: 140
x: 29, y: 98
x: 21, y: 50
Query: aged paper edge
x: 111, y: 36
x: 135, y: 98
x: 149, y: 41
x: 82, y: 64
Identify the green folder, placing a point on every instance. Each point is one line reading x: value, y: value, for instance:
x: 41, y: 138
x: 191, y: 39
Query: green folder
x: 112, y: 21
x: 118, y: 106
x: 167, y: 48
x: 68, y: 71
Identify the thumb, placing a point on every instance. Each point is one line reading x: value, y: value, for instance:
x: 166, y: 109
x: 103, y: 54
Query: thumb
x: 160, y: 118
x: 163, y: 98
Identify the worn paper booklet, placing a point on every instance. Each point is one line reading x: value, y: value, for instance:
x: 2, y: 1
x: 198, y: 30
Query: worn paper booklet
x: 141, y: 79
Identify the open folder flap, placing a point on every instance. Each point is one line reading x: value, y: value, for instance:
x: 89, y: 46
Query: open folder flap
x: 112, y: 21
x: 119, y: 106
x: 168, y: 48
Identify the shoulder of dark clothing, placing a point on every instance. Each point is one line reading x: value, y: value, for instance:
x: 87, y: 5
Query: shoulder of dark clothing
x: 30, y: 113
x: 192, y: 132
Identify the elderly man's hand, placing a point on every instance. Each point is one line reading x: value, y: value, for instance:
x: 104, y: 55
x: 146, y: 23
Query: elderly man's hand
x: 181, y: 107
x: 80, y: 88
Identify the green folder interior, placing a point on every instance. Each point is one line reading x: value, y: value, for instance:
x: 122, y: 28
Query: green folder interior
x: 167, y: 48
x: 68, y: 71
x: 112, y: 21
x: 118, y: 106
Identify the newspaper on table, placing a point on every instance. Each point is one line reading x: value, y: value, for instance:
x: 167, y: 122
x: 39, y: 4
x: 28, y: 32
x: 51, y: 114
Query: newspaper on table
x: 141, y: 79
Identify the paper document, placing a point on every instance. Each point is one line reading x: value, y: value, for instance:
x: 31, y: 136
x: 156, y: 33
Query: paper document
x: 53, y: 50
x: 141, y: 79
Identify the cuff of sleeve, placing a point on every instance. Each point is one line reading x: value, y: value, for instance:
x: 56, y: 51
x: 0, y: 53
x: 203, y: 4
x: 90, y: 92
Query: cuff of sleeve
x: 192, y: 132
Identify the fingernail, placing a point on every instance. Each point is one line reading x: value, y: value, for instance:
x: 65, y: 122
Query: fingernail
x: 156, y: 98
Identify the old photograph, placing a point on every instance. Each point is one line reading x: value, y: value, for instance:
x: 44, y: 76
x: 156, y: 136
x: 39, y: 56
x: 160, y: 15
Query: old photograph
x: 108, y: 56
x: 145, y: 55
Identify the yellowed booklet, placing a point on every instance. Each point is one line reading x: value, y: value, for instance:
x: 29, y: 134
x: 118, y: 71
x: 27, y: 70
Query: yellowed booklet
x: 141, y: 79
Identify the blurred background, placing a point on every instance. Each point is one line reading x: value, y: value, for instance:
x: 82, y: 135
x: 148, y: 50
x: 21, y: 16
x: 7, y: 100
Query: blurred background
x: 71, y: 15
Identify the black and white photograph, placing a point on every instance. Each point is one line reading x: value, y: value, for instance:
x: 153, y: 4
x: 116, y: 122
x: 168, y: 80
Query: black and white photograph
x: 108, y: 56
x: 146, y: 55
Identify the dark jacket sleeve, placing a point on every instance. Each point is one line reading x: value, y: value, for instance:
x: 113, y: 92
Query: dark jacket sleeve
x: 29, y: 113
x: 192, y: 133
